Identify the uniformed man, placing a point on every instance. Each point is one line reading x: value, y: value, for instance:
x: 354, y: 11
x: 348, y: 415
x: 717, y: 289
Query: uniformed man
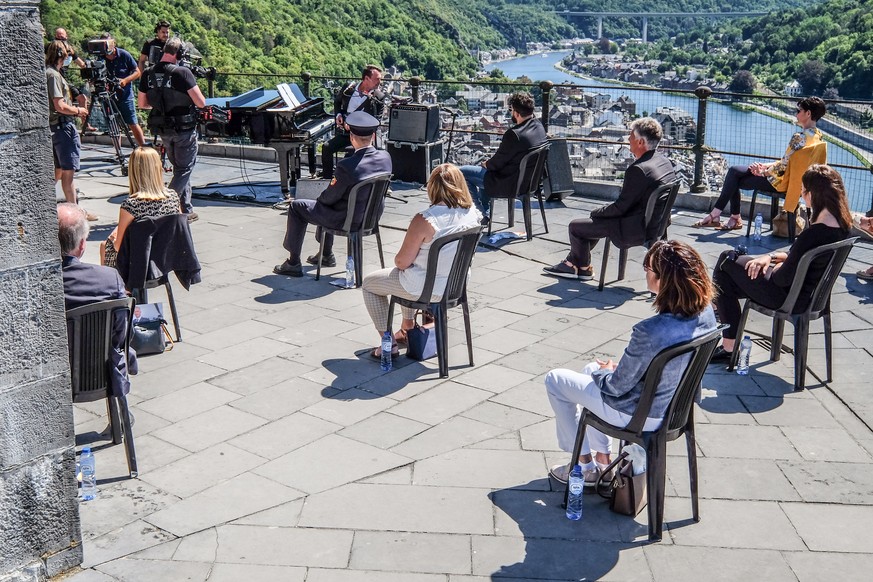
x: 331, y: 207
x: 353, y: 97
x: 171, y: 92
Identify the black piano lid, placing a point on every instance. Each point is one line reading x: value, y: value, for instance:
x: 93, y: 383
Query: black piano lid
x: 252, y: 99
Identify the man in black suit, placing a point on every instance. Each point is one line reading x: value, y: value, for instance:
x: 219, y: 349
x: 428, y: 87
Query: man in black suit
x: 330, y: 209
x: 85, y: 284
x: 499, y: 174
x: 623, y: 219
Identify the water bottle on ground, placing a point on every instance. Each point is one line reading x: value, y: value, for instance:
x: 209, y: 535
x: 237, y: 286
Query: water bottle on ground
x: 759, y: 223
x: 350, y: 272
x: 574, y: 499
x: 88, y: 471
x: 387, y: 346
x: 745, y: 354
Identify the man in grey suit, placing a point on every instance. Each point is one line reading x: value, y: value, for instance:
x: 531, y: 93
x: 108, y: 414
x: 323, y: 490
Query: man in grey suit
x: 624, y: 219
x: 329, y: 210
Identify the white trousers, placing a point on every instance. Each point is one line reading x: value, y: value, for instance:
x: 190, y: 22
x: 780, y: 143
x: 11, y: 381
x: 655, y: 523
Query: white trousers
x: 571, y: 391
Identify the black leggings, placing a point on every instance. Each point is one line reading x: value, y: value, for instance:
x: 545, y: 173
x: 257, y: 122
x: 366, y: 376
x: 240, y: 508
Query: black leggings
x: 740, y: 178
x: 733, y: 283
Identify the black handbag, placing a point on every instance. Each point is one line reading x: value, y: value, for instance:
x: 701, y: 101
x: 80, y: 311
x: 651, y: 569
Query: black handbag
x: 626, y: 492
x: 150, y: 337
x: 421, y: 341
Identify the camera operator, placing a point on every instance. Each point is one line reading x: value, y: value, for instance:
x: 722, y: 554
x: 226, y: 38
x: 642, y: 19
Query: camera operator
x: 156, y: 45
x: 172, y: 94
x: 66, y: 146
x: 121, y: 65
x: 80, y: 94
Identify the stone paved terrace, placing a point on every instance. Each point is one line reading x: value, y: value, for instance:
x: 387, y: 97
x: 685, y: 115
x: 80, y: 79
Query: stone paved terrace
x: 271, y: 446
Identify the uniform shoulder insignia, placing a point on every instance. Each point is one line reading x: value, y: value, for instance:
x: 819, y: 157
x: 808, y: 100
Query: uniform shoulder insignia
x: 332, y: 182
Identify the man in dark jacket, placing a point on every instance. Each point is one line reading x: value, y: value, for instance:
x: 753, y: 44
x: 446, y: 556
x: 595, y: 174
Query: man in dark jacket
x: 499, y: 175
x: 85, y: 284
x: 623, y: 219
x: 329, y: 210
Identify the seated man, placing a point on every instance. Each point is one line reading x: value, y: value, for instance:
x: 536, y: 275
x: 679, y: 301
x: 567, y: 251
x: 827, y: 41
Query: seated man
x: 85, y: 284
x: 624, y: 219
x: 330, y: 208
x: 499, y: 175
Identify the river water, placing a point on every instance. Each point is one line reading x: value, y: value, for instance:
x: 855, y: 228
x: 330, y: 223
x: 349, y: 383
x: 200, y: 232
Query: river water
x: 727, y: 128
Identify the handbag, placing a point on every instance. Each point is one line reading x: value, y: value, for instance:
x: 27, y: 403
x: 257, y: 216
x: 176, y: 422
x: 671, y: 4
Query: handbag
x: 421, y: 341
x: 149, y: 334
x: 626, y: 492
x: 780, y: 224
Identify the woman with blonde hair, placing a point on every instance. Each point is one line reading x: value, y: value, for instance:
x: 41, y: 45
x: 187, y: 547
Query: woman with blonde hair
x: 148, y: 197
x: 451, y: 210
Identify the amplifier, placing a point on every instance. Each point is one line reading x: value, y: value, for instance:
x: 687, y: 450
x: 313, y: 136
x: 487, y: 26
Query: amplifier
x: 414, y: 162
x: 414, y: 123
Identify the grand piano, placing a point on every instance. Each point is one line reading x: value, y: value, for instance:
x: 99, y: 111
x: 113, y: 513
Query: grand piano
x: 283, y: 119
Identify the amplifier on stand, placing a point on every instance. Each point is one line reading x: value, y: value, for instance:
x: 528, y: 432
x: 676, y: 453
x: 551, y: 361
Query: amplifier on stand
x: 413, y: 162
x: 414, y: 123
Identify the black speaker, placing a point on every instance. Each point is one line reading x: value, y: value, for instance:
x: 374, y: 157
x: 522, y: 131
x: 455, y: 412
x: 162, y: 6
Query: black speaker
x: 560, y: 173
x: 414, y: 162
x: 414, y: 123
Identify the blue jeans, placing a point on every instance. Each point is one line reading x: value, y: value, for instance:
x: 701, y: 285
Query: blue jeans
x: 475, y: 176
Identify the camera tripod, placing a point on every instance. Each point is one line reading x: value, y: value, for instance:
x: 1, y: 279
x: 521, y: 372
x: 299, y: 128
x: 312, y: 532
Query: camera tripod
x: 103, y: 98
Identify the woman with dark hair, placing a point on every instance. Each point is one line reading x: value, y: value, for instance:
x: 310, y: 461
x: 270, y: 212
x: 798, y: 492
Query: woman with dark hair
x: 772, y: 177
x: 766, y: 279
x: 676, y: 273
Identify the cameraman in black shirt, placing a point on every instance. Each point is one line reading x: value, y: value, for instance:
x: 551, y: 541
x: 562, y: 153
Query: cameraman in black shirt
x: 162, y: 34
x: 172, y: 94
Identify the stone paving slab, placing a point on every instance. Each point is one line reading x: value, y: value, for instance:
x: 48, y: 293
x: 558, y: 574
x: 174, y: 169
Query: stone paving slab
x: 271, y: 446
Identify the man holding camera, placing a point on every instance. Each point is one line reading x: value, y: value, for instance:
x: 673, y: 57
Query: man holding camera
x: 171, y: 92
x: 121, y: 65
x: 66, y: 146
x: 152, y: 50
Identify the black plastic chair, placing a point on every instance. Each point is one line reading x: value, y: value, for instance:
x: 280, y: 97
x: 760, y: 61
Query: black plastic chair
x: 454, y: 295
x: 375, y: 189
x: 775, y: 197
x: 656, y: 220
x: 152, y: 249
x: 819, y: 307
x: 678, y: 420
x: 90, y: 333
x: 529, y: 184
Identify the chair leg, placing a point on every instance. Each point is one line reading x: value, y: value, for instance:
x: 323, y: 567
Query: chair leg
x: 128, y: 437
x: 751, y: 213
x: 622, y: 263
x: 114, y: 419
x: 390, y: 322
x: 829, y: 346
x: 318, y: 265
x: 542, y: 209
x: 528, y: 221
x: 801, y: 343
x: 379, y: 246
x: 357, y: 247
x: 691, y: 445
x: 510, y: 211
x: 172, y: 301
x: 490, y: 214
x: 467, y: 329
x: 656, y: 477
x: 442, y: 337
x: 776, y: 341
x: 792, y: 226
x: 606, y: 243
x: 735, y: 356
x: 577, y: 448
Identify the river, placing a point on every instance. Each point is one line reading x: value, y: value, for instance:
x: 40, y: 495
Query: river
x: 727, y: 128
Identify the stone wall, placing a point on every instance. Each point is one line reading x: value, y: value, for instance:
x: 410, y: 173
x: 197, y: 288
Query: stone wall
x: 39, y: 516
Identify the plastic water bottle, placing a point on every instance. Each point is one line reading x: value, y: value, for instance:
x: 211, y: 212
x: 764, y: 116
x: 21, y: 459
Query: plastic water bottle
x: 387, y: 346
x: 350, y: 272
x: 88, y: 470
x: 745, y: 354
x: 574, y: 499
x: 759, y: 223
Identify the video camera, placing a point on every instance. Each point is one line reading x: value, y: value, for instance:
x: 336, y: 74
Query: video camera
x: 190, y: 58
x: 95, y: 69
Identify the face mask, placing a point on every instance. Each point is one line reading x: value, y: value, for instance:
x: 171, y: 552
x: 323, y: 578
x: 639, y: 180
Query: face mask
x: 67, y: 61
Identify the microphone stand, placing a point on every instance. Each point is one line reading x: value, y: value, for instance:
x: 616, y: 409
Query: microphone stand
x: 454, y: 114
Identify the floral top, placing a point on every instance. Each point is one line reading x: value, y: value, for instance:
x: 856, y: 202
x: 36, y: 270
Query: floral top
x: 799, y: 140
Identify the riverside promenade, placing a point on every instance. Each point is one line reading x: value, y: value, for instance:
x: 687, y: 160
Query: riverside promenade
x: 272, y: 447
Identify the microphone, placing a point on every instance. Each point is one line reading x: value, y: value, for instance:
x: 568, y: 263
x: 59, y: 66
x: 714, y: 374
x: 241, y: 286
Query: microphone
x: 450, y: 111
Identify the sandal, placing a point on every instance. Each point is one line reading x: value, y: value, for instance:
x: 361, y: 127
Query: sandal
x: 377, y: 352
x: 400, y: 337
x: 865, y: 274
x: 708, y: 221
x: 733, y: 224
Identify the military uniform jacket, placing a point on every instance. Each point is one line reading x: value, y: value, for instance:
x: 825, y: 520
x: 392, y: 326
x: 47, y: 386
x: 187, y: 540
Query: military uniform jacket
x: 331, y: 206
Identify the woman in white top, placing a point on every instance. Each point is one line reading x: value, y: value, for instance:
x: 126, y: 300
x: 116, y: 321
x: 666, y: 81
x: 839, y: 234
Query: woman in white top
x: 451, y: 211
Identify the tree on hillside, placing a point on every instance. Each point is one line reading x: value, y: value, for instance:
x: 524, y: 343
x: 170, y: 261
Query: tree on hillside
x: 811, y: 75
x: 743, y: 82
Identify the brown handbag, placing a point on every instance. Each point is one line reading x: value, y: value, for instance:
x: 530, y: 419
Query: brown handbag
x: 626, y: 492
x: 780, y: 224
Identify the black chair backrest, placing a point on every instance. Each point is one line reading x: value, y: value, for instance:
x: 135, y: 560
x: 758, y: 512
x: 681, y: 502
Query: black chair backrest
x: 532, y: 165
x: 375, y: 189
x: 466, y: 241
x: 839, y: 252
x: 89, y: 333
x: 701, y: 349
x: 658, y: 209
x: 155, y: 246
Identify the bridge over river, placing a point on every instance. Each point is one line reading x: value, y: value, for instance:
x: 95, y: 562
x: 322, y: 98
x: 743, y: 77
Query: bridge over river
x: 646, y: 15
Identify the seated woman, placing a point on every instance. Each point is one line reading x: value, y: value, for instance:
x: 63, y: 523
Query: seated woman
x: 451, y: 211
x: 766, y: 279
x: 765, y: 177
x: 678, y: 276
x: 148, y: 197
